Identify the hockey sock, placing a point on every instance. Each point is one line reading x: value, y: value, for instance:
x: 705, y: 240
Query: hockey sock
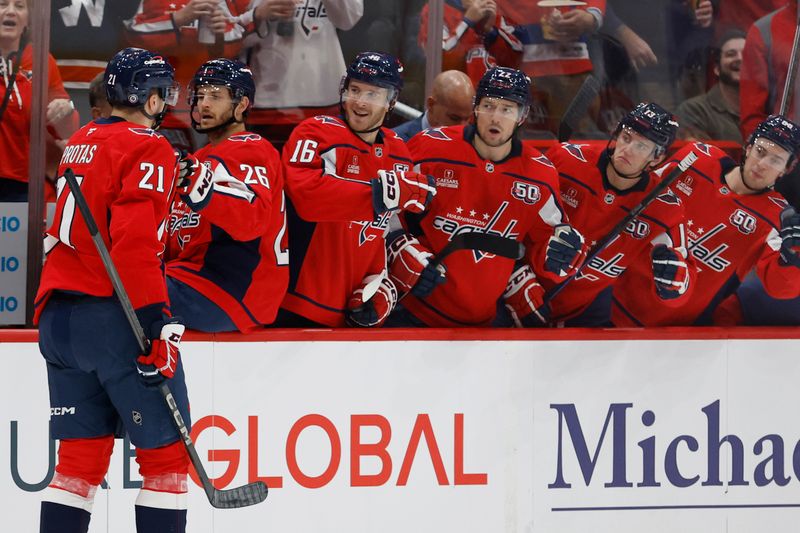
x: 161, y: 504
x: 67, y: 505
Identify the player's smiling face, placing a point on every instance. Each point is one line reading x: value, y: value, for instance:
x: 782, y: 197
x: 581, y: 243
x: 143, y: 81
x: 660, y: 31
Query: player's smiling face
x: 765, y: 162
x: 13, y: 20
x: 496, y: 119
x: 213, y: 105
x: 365, y: 105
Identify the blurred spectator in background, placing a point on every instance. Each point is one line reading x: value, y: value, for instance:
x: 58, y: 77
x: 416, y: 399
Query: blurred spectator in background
x: 475, y: 37
x: 16, y: 55
x: 83, y: 36
x: 296, y: 61
x: 765, y: 63
x: 556, y: 53
x: 98, y: 101
x: 450, y: 104
x: 188, y: 33
x: 678, y: 35
x: 715, y: 114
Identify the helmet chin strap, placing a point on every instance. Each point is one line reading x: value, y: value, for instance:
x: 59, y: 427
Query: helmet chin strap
x: 157, y: 118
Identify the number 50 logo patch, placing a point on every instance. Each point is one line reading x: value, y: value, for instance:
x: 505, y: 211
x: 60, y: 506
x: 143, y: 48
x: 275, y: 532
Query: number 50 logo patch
x: 526, y: 192
x: 743, y: 221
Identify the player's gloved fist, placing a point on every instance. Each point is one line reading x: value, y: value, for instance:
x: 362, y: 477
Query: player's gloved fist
x: 431, y: 276
x: 524, y: 299
x: 670, y: 272
x: 162, y: 361
x: 376, y: 309
x: 565, y: 251
x: 396, y: 190
x: 195, y: 182
x: 790, y: 237
x: 407, y: 259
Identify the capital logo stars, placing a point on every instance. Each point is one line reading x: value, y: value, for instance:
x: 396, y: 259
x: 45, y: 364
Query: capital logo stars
x: 472, y: 213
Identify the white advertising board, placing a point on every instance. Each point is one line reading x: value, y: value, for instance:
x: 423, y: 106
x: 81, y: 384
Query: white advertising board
x: 467, y: 436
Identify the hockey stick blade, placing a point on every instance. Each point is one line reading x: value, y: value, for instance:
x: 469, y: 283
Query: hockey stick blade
x: 674, y: 174
x: 249, y: 494
x: 578, y: 107
x: 484, y: 242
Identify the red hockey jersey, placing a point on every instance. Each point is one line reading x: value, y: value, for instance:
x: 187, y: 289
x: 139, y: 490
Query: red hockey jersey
x: 234, y: 250
x: 127, y: 175
x: 728, y: 234
x: 594, y: 207
x: 514, y: 198
x: 336, y: 238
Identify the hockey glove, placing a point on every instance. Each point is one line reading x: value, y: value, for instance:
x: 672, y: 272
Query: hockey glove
x: 408, y: 191
x: 407, y: 259
x: 565, y: 251
x: 195, y: 182
x: 162, y: 361
x: 790, y: 237
x: 373, y: 312
x: 524, y: 299
x: 670, y: 272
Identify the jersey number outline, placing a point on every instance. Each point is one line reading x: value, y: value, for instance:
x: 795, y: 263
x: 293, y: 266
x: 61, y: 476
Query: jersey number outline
x: 304, y: 151
x: 149, y: 169
x: 260, y: 175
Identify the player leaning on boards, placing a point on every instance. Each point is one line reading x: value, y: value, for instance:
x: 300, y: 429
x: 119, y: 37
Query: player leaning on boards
x: 734, y: 222
x: 228, y: 263
x: 99, y: 381
x: 345, y: 176
x: 487, y: 181
x: 599, y: 187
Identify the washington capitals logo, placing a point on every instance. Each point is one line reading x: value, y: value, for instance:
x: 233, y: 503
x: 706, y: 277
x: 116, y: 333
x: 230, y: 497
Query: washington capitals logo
x: 436, y: 133
x: 669, y: 198
x: 704, y: 148
x: 245, y: 137
x: 380, y: 225
x: 543, y: 160
x: 325, y: 119
x: 452, y: 225
x: 576, y: 151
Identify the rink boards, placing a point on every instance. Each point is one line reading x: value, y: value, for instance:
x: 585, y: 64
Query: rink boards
x: 691, y: 431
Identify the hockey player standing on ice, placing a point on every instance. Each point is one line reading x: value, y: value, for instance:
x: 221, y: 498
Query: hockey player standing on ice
x: 488, y: 182
x: 345, y: 176
x: 734, y: 222
x: 599, y: 187
x: 228, y: 263
x: 100, y: 383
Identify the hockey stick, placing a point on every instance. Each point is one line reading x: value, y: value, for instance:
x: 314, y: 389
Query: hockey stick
x: 243, y: 496
x: 674, y: 174
x: 484, y: 242
x: 578, y: 107
x: 791, y: 74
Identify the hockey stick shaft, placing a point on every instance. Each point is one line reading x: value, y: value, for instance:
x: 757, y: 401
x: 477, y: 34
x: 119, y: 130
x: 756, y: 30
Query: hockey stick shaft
x: 578, y: 107
x: 791, y: 73
x: 618, y: 228
x: 141, y: 338
x: 484, y: 242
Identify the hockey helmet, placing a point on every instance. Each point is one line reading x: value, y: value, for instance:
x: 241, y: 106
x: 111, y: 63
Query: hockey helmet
x: 653, y: 122
x: 781, y: 131
x: 376, y: 68
x: 234, y: 75
x: 133, y: 72
x: 506, y: 83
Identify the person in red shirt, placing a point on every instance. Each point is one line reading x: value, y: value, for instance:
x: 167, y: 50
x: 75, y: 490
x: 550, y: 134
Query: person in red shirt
x: 345, y: 177
x: 599, y: 187
x: 734, y: 222
x: 228, y: 263
x: 16, y: 63
x: 127, y: 174
x: 490, y: 182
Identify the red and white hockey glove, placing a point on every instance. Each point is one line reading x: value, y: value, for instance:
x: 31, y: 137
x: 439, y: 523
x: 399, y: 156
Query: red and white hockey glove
x: 524, y: 299
x: 410, y: 267
x: 195, y: 182
x: 399, y: 190
x: 670, y: 272
x: 565, y: 251
x: 374, y: 311
x: 162, y: 361
x: 790, y: 237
